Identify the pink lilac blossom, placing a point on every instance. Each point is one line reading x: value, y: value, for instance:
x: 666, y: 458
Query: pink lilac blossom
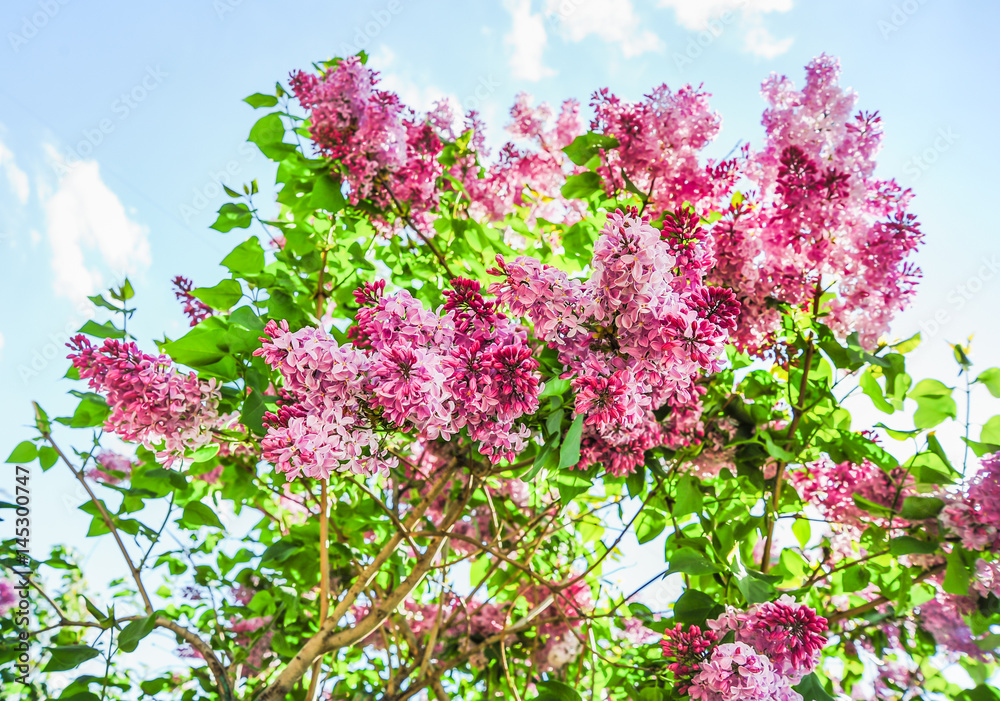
x: 737, y: 672
x: 633, y: 337
x: 973, y: 514
x: 194, y: 308
x: 354, y: 123
x: 686, y: 651
x: 943, y: 617
x: 560, y: 621
x: 659, y: 140
x: 8, y: 596
x: 831, y: 488
x: 987, y: 578
x: 816, y: 217
x: 531, y: 176
x: 151, y: 401
x: 407, y: 368
x: 790, y: 634
x: 114, y: 468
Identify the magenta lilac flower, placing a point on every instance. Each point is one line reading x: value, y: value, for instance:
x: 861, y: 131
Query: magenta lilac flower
x: 194, y: 308
x: 790, y: 634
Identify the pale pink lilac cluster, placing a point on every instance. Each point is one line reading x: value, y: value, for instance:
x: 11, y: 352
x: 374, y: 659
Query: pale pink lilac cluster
x: 973, y: 513
x: 633, y: 337
x: 194, y: 308
x: 151, y: 402
x: 817, y: 218
x: 737, y: 672
x: 113, y: 468
x: 831, y: 487
x: 464, y: 367
x: 944, y: 618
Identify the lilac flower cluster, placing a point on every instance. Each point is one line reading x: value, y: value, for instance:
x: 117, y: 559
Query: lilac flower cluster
x: 633, y: 337
x: 776, y: 644
x: 407, y: 368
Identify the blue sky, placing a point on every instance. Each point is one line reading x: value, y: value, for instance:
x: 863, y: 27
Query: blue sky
x: 117, y: 119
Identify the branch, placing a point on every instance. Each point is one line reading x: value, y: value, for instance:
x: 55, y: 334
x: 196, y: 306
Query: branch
x: 105, y: 516
x: 328, y: 638
x: 878, y: 601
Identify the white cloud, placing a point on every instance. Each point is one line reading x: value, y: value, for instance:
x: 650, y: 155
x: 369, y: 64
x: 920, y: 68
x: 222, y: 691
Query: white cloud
x: 697, y: 14
x: 526, y: 42
x: 16, y: 177
x: 759, y: 41
x: 89, y: 231
x: 712, y: 15
x: 615, y: 21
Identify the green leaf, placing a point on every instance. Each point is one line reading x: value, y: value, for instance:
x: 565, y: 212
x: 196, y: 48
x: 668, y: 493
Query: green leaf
x: 690, y: 561
x: 990, y: 378
x: 569, y: 451
x: 197, y: 514
x: 582, y: 186
x: 689, y: 498
x: 245, y: 259
x: 222, y: 297
x: 24, y: 452
x: 919, y: 508
x: 871, y: 507
x: 649, y: 525
x: 327, y: 195
x: 694, y: 607
x: 233, y: 215
x: 908, y: 345
x: 870, y: 386
x: 934, y: 403
x: 554, y: 388
x: 258, y: 100
x: 981, y: 449
x: 991, y: 431
x: 586, y: 146
x: 957, y: 577
x: 69, y: 657
x: 908, y: 545
x: 252, y: 413
x: 136, y: 631
x: 812, y: 689
x: 556, y: 691
x: 269, y: 134
x: 105, y: 330
x: 755, y: 590
x: 983, y: 692
x: 205, y: 453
